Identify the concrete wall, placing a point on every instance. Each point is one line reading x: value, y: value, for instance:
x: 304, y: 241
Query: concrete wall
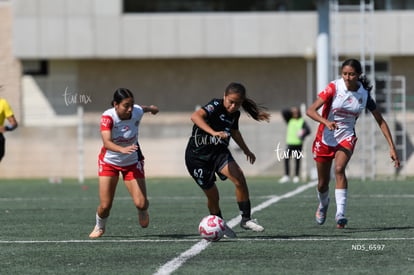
x: 51, y: 99
x: 175, y: 85
x: 60, y: 28
x: 181, y: 84
x: 94, y: 28
x: 9, y: 66
x: 405, y: 66
x: 99, y: 29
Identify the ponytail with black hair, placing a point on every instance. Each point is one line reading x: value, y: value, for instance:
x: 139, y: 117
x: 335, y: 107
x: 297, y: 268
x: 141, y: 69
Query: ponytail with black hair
x: 252, y: 108
x: 366, y: 83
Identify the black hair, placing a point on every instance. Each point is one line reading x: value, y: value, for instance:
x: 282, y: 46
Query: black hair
x: 120, y: 94
x: 252, y: 108
x: 366, y: 83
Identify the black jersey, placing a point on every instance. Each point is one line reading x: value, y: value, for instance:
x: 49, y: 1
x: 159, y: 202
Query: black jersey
x: 219, y: 120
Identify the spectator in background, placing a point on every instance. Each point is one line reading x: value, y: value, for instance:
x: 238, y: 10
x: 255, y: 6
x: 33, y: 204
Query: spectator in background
x: 297, y: 130
x: 5, y: 113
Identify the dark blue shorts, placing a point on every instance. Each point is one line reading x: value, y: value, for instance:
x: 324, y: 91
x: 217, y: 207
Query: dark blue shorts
x: 203, y: 169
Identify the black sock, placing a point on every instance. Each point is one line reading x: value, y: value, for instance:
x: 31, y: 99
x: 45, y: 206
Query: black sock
x: 245, y: 210
x: 217, y: 214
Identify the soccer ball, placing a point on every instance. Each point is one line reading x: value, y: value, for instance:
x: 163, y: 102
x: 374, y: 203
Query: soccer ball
x: 211, y: 228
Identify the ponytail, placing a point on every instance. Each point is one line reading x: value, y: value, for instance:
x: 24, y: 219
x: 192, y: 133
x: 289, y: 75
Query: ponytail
x: 252, y: 108
x: 366, y: 83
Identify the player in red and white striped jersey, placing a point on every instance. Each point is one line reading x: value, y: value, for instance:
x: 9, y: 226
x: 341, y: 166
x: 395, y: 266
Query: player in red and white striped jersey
x: 121, y: 153
x: 343, y: 100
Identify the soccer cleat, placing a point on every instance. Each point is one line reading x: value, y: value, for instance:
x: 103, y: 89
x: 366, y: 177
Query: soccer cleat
x: 296, y: 179
x: 284, y: 179
x: 320, y: 215
x: 341, y: 221
x: 143, y: 218
x: 228, y: 232
x: 251, y: 225
x: 97, y: 232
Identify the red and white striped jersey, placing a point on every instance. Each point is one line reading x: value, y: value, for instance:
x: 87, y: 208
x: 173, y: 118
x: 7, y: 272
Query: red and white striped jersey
x: 343, y: 107
x: 123, y: 133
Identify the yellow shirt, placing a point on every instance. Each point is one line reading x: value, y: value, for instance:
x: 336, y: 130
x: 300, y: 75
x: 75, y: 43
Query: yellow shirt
x: 5, y: 110
x: 293, y: 129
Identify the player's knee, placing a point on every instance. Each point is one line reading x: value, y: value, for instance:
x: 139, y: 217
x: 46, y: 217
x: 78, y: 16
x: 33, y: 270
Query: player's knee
x: 239, y: 180
x: 339, y: 169
x: 240, y: 183
x: 241, y: 187
x: 323, y: 186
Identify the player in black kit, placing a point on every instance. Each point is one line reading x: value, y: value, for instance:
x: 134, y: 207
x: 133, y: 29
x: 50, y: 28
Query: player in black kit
x: 207, y: 152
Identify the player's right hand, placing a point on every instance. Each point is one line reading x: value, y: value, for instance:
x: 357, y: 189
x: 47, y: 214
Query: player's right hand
x: 129, y: 149
x: 331, y: 125
x: 221, y: 134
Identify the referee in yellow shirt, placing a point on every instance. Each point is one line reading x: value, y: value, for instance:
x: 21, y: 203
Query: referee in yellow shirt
x: 5, y: 113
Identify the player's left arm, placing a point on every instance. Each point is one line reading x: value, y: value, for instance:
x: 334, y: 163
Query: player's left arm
x: 238, y: 138
x: 387, y: 134
x: 152, y: 108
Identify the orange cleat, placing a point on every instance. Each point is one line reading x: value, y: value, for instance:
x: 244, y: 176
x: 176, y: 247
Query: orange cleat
x: 143, y: 218
x: 341, y: 221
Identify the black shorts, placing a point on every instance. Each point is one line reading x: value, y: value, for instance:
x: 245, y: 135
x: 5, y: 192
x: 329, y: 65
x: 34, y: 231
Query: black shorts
x: 2, y: 146
x: 203, y: 168
x: 294, y: 150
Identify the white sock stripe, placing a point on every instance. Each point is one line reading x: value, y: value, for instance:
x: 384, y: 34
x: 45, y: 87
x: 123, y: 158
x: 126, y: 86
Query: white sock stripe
x: 341, y: 198
x: 323, y: 198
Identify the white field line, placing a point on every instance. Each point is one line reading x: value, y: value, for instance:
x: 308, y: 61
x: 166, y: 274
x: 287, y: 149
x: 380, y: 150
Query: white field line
x: 293, y: 239
x: 375, y: 196
x: 175, y: 263
x: 327, y: 239
x: 96, y: 241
